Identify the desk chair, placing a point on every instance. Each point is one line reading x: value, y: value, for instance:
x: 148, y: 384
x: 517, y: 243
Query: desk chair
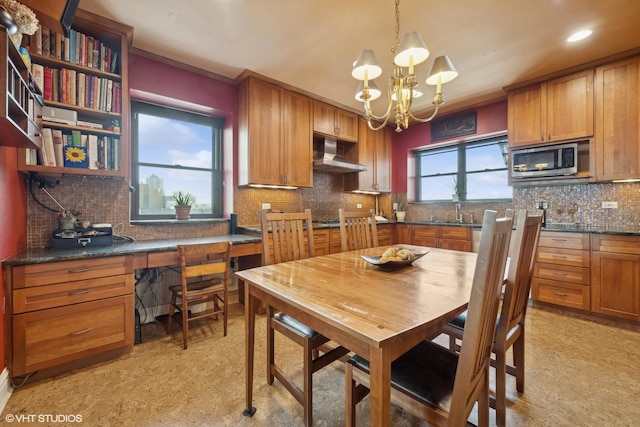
x: 289, y: 237
x: 357, y: 230
x: 510, y: 326
x: 432, y: 382
x: 204, y: 278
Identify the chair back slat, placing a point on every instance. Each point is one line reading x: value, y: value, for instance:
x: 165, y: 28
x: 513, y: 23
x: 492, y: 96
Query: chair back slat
x: 518, y: 285
x: 290, y: 235
x: 478, y: 336
x: 204, y: 259
x: 358, y: 230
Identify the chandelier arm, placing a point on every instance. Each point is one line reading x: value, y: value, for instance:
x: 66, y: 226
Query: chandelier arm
x: 428, y: 118
x: 385, y: 116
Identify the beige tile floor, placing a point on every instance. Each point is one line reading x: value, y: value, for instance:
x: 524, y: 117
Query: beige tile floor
x: 578, y: 373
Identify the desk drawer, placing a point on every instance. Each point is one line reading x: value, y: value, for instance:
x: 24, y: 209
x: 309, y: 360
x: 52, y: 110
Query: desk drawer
x: 48, y: 273
x: 563, y: 273
x: 553, y: 239
x: 561, y: 293
x: 47, y: 338
x: 58, y: 295
x: 573, y: 257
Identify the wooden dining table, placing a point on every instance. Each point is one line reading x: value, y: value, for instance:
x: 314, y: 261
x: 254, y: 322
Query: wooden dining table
x: 375, y: 312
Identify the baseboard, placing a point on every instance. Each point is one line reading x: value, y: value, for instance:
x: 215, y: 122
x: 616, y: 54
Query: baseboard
x: 5, y: 389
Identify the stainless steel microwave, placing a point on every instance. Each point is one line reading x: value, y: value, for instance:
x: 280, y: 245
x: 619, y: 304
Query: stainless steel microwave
x: 545, y: 161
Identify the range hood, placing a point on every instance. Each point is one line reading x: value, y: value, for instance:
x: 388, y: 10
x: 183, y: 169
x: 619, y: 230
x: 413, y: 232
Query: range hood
x: 327, y: 159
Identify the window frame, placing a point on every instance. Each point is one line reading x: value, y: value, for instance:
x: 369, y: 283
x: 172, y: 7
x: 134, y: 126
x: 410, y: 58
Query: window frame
x: 461, y: 173
x: 216, y: 170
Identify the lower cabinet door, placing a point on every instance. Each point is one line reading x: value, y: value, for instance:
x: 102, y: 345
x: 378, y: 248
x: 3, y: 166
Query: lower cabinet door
x: 46, y: 338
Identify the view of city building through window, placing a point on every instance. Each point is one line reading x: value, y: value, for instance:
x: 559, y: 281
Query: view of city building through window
x: 174, y: 151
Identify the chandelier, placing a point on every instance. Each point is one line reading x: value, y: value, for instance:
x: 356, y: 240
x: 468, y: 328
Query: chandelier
x: 402, y: 84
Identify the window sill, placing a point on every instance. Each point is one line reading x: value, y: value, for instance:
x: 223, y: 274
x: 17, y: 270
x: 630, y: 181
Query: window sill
x: 177, y: 221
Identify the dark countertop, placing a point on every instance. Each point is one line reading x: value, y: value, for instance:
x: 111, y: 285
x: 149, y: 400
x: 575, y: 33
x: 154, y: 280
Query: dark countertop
x: 40, y: 255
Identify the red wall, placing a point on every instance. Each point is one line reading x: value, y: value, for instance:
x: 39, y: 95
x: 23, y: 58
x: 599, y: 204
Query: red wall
x: 13, y: 230
x: 489, y: 118
x: 165, y: 84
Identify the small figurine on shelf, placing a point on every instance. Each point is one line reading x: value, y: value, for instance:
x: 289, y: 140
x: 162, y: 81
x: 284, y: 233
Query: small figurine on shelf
x: 115, y: 126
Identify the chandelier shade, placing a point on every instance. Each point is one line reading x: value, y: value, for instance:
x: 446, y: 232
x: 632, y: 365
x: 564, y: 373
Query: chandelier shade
x: 401, y: 90
x: 366, y: 66
x: 443, y: 70
x: 412, y: 51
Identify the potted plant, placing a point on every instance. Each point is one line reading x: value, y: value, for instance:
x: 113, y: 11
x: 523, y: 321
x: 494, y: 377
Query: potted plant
x: 400, y: 212
x: 454, y: 189
x: 183, y: 204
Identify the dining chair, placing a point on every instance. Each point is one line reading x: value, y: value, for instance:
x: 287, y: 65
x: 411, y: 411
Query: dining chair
x: 357, y: 230
x: 510, y: 327
x: 433, y: 382
x: 204, y: 279
x: 289, y: 237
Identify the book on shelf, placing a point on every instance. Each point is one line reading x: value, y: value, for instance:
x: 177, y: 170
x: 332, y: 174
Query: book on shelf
x: 91, y: 125
x: 38, y: 75
x: 76, y: 138
x: 58, y: 144
x: 45, y: 36
x: 48, y: 151
x: 93, y: 152
x: 47, y: 88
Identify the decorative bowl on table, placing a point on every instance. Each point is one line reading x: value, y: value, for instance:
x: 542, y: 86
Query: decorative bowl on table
x: 391, y: 265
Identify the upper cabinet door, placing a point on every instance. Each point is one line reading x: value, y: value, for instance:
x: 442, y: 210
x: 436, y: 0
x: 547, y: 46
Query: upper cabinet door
x: 618, y: 120
x: 570, y: 107
x: 335, y: 122
x: 557, y: 110
x: 526, y: 117
x: 297, y: 154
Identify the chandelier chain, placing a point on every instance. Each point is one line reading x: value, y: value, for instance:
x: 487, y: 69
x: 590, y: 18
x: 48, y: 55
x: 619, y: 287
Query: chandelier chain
x: 396, y: 46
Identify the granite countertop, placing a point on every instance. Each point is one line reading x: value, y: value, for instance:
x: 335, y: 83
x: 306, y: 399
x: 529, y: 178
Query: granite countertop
x: 40, y: 255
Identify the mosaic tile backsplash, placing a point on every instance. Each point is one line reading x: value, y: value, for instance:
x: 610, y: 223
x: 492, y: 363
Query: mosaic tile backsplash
x: 107, y: 201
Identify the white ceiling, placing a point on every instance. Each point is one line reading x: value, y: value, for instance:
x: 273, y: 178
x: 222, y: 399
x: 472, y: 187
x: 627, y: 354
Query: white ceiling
x: 311, y: 44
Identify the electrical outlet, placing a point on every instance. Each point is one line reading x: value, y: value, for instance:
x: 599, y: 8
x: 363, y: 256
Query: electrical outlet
x: 266, y: 206
x: 359, y: 206
x: 609, y: 205
x: 395, y: 206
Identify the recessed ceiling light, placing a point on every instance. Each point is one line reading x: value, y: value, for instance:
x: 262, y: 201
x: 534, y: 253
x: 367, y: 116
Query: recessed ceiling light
x: 580, y: 35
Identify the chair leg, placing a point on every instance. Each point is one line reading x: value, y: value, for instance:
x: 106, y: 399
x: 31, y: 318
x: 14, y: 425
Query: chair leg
x: 518, y: 361
x: 483, y: 402
x: 270, y: 345
x: 349, y: 396
x: 224, y: 313
x: 185, y: 323
x: 172, y: 308
x: 501, y: 388
x: 452, y: 343
x: 307, y: 388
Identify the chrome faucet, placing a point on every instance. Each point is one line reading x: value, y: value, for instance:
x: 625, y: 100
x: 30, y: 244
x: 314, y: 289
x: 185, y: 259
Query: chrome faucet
x: 459, y: 215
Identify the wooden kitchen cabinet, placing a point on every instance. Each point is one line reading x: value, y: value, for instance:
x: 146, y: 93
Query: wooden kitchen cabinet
x: 275, y: 140
x: 617, y: 151
x: 321, y: 241
x: 385, y: 234
x: 615, y: 275
x: 65, y: 311
x: 374, y: 151
x: 335, y: 122
x: 562, y: 270
x: 441, y: 236
x: 556, y: 110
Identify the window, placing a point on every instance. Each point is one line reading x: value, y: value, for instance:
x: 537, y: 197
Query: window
x: 474, y: 170
x: 172, y: 151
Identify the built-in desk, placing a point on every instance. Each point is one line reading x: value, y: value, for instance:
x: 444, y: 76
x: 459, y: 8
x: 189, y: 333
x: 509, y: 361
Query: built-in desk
x: 72, y: 307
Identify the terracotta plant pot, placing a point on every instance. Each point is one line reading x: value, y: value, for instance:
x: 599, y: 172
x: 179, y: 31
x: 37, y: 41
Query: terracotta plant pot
x: 183, y: 211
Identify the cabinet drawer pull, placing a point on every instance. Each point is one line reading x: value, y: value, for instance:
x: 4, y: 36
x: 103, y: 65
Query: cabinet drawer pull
x: 559, y: 256
x: 559, y: 240
x: 84, y: 331
x: 80, y: 292
x: 560, y: 273
x: 79, y: 270
x: 560, y: 294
